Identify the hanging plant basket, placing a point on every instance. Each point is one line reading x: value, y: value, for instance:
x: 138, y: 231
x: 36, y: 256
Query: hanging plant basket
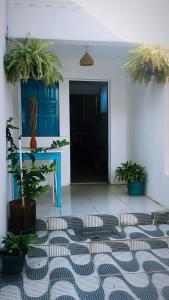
x: 30, y: 58
x: 148, y: 63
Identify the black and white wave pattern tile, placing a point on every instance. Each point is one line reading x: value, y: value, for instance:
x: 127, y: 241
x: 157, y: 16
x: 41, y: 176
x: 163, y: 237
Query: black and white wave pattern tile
x: 94, y: 239
x: 127, y: 232
x: 104, y: 220
x: 120, y: 275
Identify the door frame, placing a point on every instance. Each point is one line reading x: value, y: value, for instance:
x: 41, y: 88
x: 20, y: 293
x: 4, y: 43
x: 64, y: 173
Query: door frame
x: 108, y: 116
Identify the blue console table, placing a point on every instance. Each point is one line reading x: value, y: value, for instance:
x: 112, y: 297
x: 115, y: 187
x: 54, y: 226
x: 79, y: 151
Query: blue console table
x: 56, y: 157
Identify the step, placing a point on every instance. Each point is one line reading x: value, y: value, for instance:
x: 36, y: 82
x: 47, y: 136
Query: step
x: 102, y: 220
x: 67, y: 242
x: 72, y: 235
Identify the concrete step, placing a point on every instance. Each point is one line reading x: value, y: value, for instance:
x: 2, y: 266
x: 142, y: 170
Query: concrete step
x: 102, y: 220
x: 71, y: 235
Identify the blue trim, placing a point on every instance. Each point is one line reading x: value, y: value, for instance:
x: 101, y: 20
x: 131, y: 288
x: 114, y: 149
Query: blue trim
x: 47, y: 110
x: 104, y: 98
x: 56, y: 157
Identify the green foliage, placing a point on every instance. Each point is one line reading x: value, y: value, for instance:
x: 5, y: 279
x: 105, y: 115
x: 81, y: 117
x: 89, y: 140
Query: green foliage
x: 30, y: 58
x: 130, y: 171
x: 12, y: 149
x: 18, y: 244
x: 34, y: 175
x: 54, y: 145
x: 148, y: 63
x: 32, y: 179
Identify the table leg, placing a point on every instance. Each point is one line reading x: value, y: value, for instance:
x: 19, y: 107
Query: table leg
x: 58, y: 175
x: 15, y: 189
x: 53, y: 187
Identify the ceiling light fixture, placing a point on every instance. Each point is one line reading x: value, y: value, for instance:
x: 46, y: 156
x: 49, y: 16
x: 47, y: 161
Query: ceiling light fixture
x: 86, y: 60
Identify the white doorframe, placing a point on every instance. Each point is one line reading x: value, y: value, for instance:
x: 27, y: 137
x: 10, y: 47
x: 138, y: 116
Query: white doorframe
x: 109, y: 118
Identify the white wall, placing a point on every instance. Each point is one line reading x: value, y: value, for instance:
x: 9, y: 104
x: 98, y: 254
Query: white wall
x: 86, y: 20
x: 148, y: 121
x: 107, y: 67
x: 5, y: 111
x: 110, y: 20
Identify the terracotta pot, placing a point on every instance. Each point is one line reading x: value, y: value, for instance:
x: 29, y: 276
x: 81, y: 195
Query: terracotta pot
x: 33, y: 142
x: 22, y: 218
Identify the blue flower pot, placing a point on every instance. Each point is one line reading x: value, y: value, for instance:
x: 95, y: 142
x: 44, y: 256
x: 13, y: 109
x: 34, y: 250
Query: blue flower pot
x: 136, y: 188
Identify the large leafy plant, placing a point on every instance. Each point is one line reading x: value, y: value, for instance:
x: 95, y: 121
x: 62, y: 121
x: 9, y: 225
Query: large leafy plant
x: 30, y: 58
x: 33, y: 176
x: 18, y: 244
x: 130, y: 171
x: 148, y: 63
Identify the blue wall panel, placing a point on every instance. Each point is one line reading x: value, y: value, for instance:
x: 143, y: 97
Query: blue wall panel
x: 47, y: 110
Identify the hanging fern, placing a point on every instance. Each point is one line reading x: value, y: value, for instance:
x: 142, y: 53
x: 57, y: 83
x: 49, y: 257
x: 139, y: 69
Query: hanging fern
x: 148, y: 63
x: 31, y: 59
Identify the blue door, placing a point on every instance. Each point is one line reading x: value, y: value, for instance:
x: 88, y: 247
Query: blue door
x: 47, y: 108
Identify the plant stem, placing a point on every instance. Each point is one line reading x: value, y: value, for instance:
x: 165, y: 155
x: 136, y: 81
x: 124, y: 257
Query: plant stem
x: 21, y: 170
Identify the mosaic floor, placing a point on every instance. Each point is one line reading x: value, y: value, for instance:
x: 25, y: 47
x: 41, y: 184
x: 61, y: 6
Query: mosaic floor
x: 125, y: 257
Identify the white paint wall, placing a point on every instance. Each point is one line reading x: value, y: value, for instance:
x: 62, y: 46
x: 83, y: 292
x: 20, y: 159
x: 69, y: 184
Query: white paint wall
x: 86, y: 20
x: 137, y: 127
x: 5, y: 111
x: 148, y: 121
x: 107, y: 67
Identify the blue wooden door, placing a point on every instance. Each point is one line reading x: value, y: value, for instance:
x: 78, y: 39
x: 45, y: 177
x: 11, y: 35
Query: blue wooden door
x: 47, y: 108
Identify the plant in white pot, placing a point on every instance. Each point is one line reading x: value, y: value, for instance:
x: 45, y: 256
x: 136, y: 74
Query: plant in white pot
x: 134, y: 175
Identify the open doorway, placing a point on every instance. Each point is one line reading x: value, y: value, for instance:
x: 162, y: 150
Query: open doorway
x: 89, y: 131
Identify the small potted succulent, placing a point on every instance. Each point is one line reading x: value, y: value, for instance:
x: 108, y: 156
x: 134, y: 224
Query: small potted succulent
x: 134, y: 175
x: 13, y: 253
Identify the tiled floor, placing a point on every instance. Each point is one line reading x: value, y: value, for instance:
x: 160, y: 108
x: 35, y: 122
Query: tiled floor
x: 83, y: 199
x: 124, y: 275
x: 100, y: 257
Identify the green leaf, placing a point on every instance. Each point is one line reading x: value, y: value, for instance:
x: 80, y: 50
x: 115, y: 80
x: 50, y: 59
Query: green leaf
x: 148, y: 63
x: 31, y: 59
x: 18, y: 244
x: 130, y: 171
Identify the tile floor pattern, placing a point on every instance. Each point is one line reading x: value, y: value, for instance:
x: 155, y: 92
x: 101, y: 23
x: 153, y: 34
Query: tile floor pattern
x: 110, y: 252
x: 96, y: 273
x: 120, y: 275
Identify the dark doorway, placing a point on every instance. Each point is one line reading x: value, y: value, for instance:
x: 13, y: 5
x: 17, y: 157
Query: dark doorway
x: 89, y: 131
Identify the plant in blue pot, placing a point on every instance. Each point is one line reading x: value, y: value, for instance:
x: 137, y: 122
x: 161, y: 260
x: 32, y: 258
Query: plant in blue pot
x: 134, y: 175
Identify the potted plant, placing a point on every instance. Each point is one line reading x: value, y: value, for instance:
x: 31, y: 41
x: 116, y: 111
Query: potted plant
x: 135, y: 175
x: 148, y: 63
x: 29, y: 180
x: 29, y: 58
x: 13, y: 253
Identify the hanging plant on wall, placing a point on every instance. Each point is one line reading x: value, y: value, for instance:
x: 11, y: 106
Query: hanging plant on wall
x: 148, y: 63
x: 30, y: 58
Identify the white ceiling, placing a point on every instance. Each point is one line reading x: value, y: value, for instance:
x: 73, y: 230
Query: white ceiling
x: 132, y: 21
